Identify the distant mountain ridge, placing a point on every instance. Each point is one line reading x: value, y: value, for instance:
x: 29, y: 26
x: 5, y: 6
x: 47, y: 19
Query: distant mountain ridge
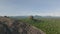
x: 20, y: 17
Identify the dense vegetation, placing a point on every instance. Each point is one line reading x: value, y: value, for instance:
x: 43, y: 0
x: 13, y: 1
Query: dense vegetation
x: 48, y: 25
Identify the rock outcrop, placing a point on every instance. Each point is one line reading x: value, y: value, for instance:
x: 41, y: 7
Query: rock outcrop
x: 11, y: 26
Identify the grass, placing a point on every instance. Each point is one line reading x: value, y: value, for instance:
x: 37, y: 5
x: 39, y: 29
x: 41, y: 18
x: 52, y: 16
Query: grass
x: 48, y: 25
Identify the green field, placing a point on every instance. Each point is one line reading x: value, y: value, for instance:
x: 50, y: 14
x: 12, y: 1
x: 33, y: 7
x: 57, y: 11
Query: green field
x: 48, y: 25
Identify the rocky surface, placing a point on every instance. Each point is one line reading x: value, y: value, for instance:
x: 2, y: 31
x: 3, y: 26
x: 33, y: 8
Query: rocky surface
x: 11, y: 26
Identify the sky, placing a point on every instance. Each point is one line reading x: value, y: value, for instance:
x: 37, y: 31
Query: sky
x: 29, y: 7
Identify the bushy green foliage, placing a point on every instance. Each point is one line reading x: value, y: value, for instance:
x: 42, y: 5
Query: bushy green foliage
x: 48, y: 25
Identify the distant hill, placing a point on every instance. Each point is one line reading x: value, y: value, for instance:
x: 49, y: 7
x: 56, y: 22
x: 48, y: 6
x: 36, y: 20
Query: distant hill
x: 23, y: 17
x: 18, y: 17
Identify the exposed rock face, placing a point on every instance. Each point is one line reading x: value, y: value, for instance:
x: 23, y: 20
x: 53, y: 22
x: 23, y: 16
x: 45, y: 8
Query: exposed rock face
x: 10, y: 26
x: 4, y: 29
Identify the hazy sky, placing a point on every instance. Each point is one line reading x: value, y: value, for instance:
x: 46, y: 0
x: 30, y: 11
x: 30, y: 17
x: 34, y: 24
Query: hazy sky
x: 30, y: 7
